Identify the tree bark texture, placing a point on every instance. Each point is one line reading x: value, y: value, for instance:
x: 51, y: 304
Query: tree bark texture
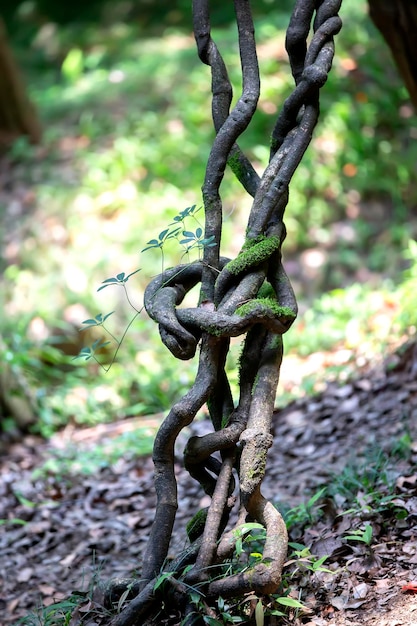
x: 397, y: 22
x: 17, y: 114
x: 249, y: 296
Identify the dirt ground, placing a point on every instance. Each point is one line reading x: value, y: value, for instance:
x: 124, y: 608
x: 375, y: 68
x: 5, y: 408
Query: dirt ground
x: 86, y: 529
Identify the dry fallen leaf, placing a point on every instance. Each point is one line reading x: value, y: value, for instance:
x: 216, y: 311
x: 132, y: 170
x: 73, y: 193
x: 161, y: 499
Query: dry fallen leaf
x: 381, y: 586
x: 46, y: 590
x: 24, y: 575
x: 360, y: 590
x: 405, y: 483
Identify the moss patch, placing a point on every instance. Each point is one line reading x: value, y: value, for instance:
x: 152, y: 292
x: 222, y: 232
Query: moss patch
x: 195, y: 526
x: 236, y: 166
x: 266, y: 291
x: 254, y: 254
x: 265, y: 305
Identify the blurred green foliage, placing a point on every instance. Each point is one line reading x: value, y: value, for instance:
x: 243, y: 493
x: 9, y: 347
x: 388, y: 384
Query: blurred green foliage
x: 78, y: 459
x: 125, y: 105
x: 167, y: 13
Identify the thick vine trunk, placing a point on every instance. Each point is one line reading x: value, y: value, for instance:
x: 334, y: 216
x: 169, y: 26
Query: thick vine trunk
x: 17, y: 115
x: 397, y: 21
x: 249, y: 296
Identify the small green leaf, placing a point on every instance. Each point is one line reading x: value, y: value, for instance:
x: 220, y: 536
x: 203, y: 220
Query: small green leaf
x: 107, y: 283
x: 132, y: 274
x: 247, y: 527
x: 259, y: 614
x: 316, y: 497
x: 212, y: 621
x: 153, y: 243
x: 368, y: 533
x: 122, y: 599
x: 356, y: 538
x: 188, y: 233
x: 209, y: 241
x: 195, y: 596
x: 89, y: 322
x: 98, y: 343
x: 162, y: 234
x: 318, y: 565
x: 13, y: 520
x: 24, y: 501
x: 84, y: 353
x: 107, y: 315
x: 187, y: 212
x: 110, y: 280
x: 173, y: 233
x: 286, y: 601
x: 121, y: 277
x: 198, y: 232
x: 277, y: 613
x: 161, y: 579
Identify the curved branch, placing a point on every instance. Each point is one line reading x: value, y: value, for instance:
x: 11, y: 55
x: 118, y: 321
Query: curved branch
x: 222, y: 91
x: 212, y: 528
x: 264, y: 577
x: 181, y: 414
x: 250, y: 295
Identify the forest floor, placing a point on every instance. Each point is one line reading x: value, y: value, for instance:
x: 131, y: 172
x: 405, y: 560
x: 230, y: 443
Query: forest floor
x: 360, y: 438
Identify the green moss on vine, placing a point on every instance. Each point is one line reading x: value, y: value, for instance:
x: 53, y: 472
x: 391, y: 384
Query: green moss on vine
x: 253, y: 253
x: 252, y: 241
x: 276, y: 342
x: 235, y: 165
x: 202, y: 298
x: 259, y: 466
x: 255, y: 383
x: 266, y: 291
x: 215, y: 331
x: 266, y: 305
x: 195, y: 526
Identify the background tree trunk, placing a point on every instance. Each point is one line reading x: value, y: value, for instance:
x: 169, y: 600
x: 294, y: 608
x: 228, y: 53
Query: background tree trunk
x: 397, y: 21
x: 17, y: 115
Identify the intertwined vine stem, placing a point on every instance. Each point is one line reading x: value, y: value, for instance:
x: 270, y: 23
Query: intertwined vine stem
x: 248, y: 296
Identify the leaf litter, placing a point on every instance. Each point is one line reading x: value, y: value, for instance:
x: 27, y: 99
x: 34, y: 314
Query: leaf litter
x: 69, y: 535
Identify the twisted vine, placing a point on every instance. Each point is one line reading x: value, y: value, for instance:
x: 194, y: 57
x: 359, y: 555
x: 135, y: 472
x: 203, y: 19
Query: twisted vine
x: 249, y: 296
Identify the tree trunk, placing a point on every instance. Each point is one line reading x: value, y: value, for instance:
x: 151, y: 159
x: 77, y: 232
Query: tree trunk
x: 397, y: 21
x: 17, y: 115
